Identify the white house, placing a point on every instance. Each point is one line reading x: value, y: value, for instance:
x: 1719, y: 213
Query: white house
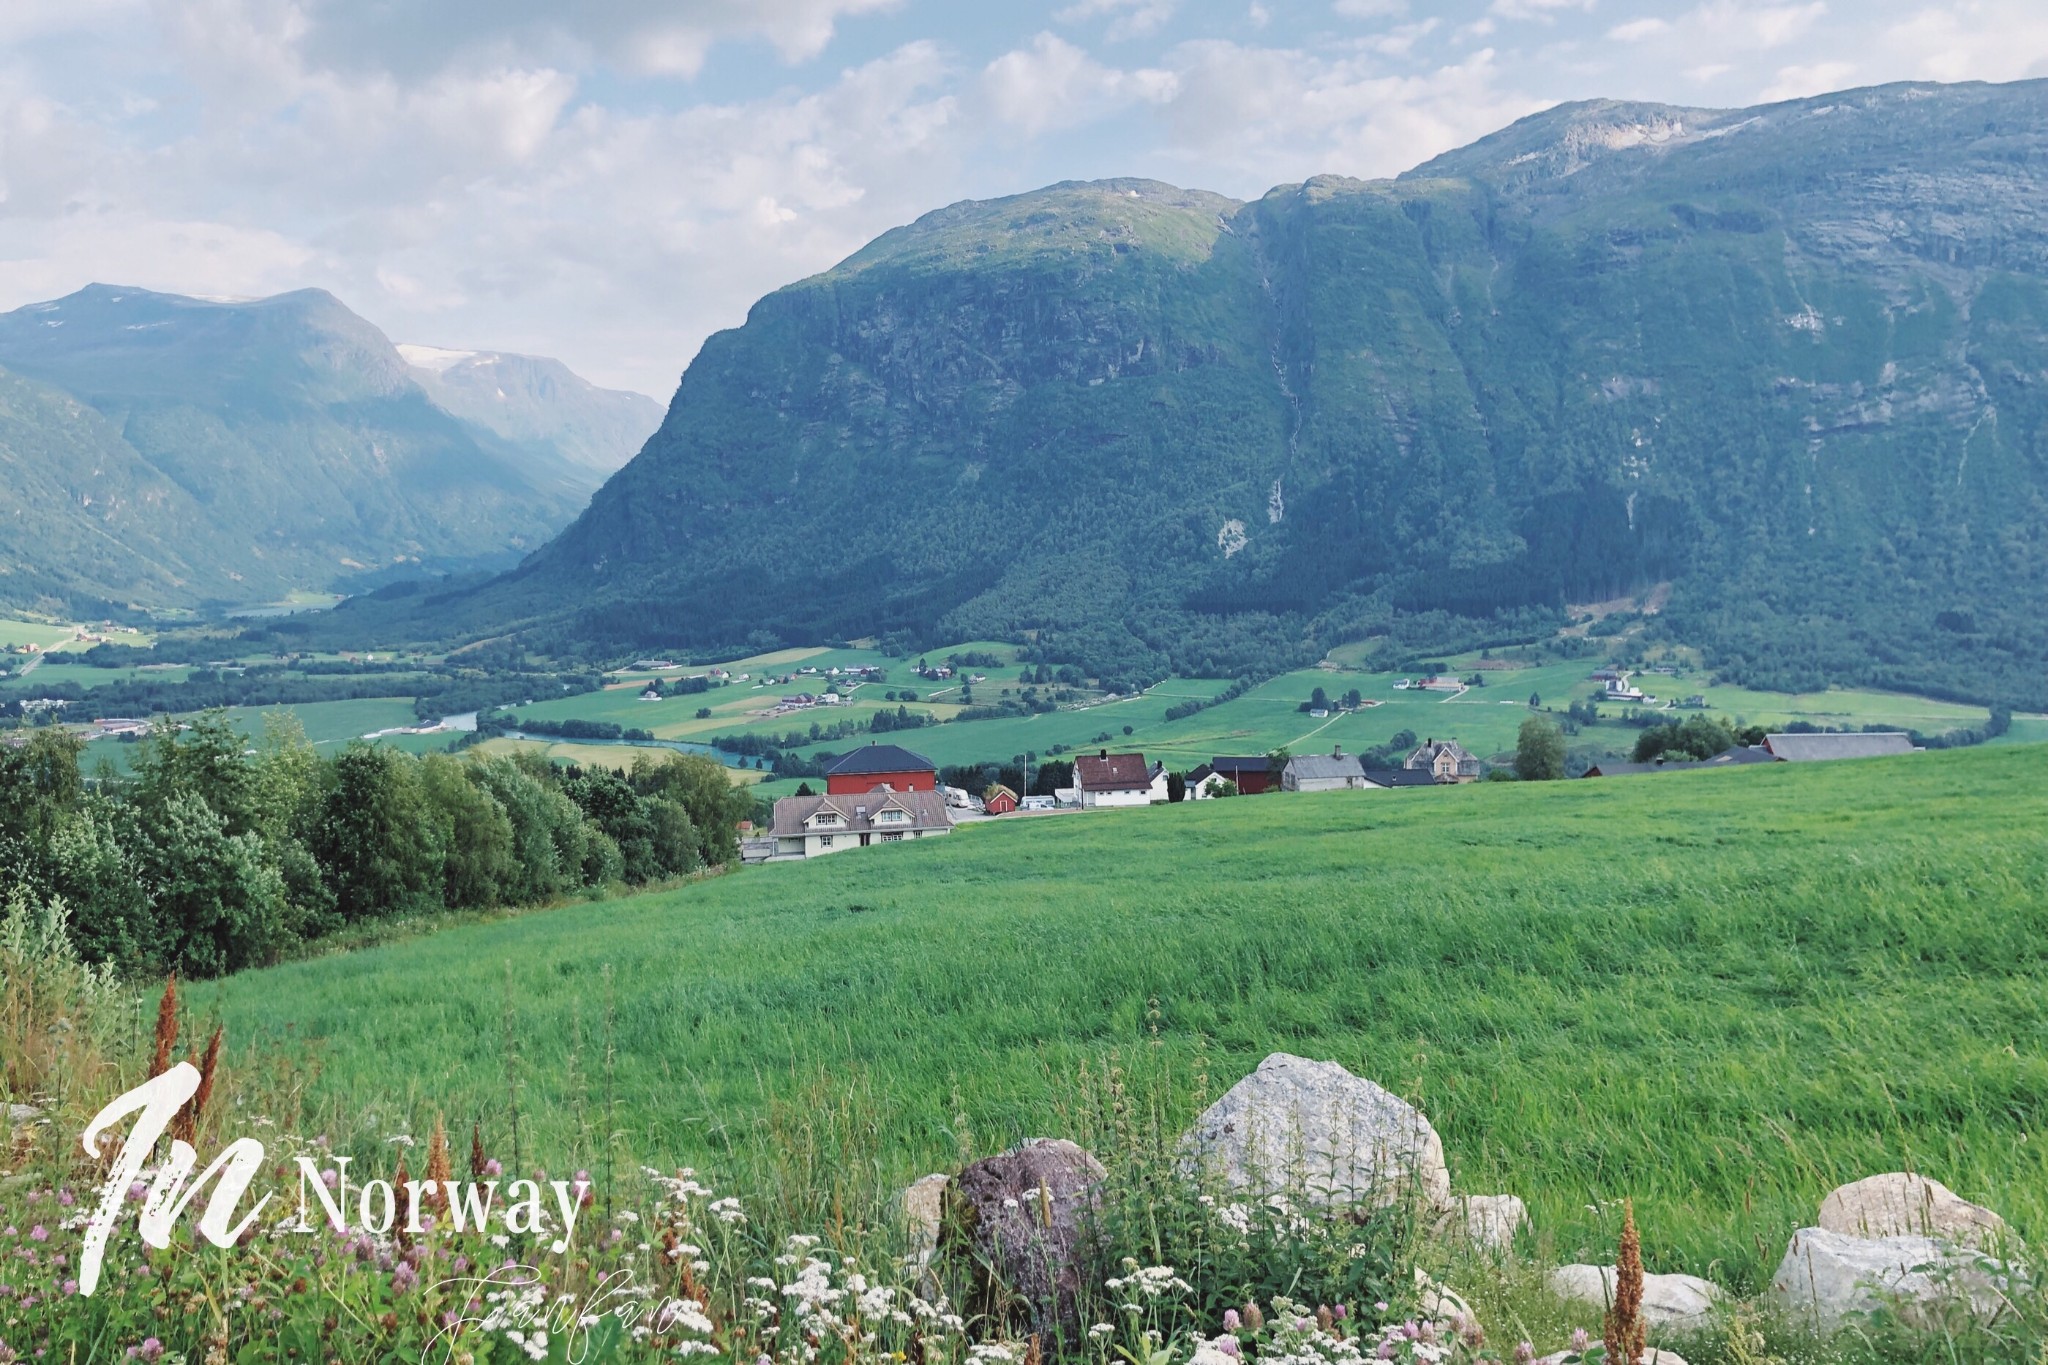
x: 807, y: 826
x: 1331, y: 772
x: 1118, y: 780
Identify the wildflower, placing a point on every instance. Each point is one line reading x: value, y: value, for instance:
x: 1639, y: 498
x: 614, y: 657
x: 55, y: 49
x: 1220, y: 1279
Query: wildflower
x: 166, y: 1039
x: 1101, y: 1330
x: 1229, y: 1347
x: 150, y: 1349
x: 1623, y: 1329
x: 66, y: 1198
x: 136, y: 1191
x: 1580, y: 1341
x: 330, y: 1177
x: 1525, y: 1353
x: 493, y: 1169
x: 70, y: 1287
x: 1231, y: 1320
x: 404, y: 1278
x: 39, y: 1233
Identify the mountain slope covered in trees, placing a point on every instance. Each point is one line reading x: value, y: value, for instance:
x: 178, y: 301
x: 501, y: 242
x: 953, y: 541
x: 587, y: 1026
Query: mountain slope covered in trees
x: 161, y: 451
x: 1792, y: 361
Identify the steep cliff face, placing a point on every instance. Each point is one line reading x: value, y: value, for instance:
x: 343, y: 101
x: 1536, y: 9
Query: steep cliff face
x: 1792, y: 360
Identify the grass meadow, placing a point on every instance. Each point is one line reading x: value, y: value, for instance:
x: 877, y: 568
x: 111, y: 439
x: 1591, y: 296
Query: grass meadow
x: 1718, y: 993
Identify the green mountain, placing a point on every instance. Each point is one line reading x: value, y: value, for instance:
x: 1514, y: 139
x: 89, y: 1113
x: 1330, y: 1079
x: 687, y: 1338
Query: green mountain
x: 165, y: 451
x: 537, y: 404
x: 1791, y: 361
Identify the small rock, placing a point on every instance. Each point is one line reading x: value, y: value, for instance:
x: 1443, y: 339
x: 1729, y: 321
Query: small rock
x: 1487, y: 1221
x: 23, y: 1113
x: 921, y: 1205
x: 1313, y: 1129
x: 1681, y: 1302
x: 1905, y: 1205
x: 1827, y: 1276
x: 1021, y: 1215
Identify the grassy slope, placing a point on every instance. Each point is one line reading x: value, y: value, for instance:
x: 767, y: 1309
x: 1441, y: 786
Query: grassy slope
x: 1721, y: 992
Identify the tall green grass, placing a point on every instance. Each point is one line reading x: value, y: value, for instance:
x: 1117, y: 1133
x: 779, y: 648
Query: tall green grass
x: 1719, y: 993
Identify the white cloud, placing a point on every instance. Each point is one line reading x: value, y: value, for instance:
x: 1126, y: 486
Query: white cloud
x: 1054, y: 84
x: 1131, y: 18
x: 1636, y: 30
x: 1797, y: 82
x: 1370, y: 9
x: 1986, y: 40
x: 1287, y: 115
x: 1546, y: 10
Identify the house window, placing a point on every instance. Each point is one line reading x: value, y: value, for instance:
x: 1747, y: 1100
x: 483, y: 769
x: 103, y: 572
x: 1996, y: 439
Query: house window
x: 828, y: 818
x: 824, y: 841
x: 892, y: 838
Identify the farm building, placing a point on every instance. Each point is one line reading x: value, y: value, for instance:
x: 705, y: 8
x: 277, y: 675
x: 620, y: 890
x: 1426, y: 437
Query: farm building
x: 1118, y: 780
x: 809, y: 826
x: 1813, y: 748
x: 881, y: 765
x: 1252, y: 775
x: 1445, y: 760
x: 999, y: 800
x: 1334, y: 771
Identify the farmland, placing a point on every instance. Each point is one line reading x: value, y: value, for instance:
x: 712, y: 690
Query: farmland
x: 1269, y: 716
x: 1719, y: 993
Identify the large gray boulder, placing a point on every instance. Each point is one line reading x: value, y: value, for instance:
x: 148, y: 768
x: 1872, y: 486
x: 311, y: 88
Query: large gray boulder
x: 1901, y: 1204
x: 1682, y: 1303
x: 1827, y: 1276
x: 1018, y: 1220
x: 1315, y: 1131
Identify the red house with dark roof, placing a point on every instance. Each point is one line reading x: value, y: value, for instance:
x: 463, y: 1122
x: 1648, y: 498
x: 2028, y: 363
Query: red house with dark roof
x: 881, y: 765
x: 1252, y: 775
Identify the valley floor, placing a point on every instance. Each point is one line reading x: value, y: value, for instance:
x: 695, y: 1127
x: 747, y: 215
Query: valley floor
x: 1718, y: 993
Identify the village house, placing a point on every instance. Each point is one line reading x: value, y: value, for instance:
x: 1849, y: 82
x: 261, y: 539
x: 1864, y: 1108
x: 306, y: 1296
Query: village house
x: 998, y: 800
x: 811, y: 826
x: 1108, y: 779
x: 881, y: 765
x: 1334, y: 771
x: 1252, y: 775
x: 1443, y: 683
x: 1444, y: 760
x: 1201, y: 782
x: 1621, y: 689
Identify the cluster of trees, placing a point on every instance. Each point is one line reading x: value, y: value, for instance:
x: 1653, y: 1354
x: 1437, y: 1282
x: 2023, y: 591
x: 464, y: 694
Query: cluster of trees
x: 1319, y: 700
x: 1183, y: 709
x: 208, y: 859
x: 1697, y: 737
x: 574, y: 729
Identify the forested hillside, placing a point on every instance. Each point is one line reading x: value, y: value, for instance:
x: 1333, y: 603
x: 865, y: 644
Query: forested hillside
x: 1792, y: 361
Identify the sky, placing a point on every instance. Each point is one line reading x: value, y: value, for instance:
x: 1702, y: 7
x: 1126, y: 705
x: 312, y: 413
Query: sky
x: 610, y: 181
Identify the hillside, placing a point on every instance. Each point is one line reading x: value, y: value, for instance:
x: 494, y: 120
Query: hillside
x: 171, y: 452
x: 1720, y: 993
x: 1790, y: 360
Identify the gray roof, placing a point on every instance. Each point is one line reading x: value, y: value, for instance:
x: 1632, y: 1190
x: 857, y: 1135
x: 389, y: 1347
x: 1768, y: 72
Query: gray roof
x: 1618, y: 769
x: 1324, y: 767
x: 1751, y: 753
x: 1400, y: 777
x: 1809, y: 748
x: 927, y: 811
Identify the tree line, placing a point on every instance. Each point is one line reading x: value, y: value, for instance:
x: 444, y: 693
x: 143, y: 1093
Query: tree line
x: 209, y: 857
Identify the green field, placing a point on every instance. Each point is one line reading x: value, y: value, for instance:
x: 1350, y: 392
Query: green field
x: 1268, y: 717
x: 1720, y: 993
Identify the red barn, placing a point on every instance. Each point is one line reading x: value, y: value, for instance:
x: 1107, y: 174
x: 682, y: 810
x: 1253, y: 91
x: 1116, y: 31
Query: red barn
x: 1252, y: 775
x: 881, y: 765
x: 1000, y: 800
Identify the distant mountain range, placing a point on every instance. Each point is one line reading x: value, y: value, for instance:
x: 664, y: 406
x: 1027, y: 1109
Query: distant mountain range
x: 1791, y: 361
x: 163, y: 451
